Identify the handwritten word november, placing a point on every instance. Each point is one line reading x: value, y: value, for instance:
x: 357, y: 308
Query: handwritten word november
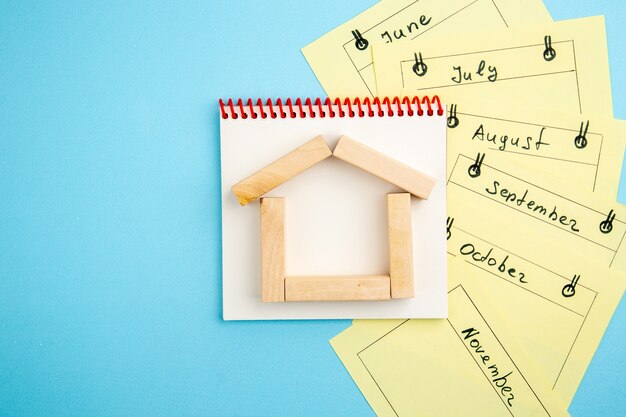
x: 500, y: 382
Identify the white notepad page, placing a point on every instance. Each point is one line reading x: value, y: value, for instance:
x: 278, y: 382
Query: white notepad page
x: 335, y: 214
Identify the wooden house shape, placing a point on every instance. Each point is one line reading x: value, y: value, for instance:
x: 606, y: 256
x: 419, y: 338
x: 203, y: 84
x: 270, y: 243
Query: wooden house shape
x: 276, y: 286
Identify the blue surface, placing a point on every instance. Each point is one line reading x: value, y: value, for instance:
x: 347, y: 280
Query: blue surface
x: 110, y: 292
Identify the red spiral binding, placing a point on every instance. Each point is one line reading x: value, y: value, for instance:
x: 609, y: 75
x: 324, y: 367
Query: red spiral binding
x: 375, y: 107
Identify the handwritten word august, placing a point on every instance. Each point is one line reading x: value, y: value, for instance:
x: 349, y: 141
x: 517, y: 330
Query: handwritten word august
x: 532, y: 205
x: 461, y: 75
x: 410, y: 28
x: 502, y: 141
x: 470, y: 250
x: 500, y: 382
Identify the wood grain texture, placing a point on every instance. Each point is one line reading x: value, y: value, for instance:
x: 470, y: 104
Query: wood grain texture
x: 272, y: 250
x: 384, y: 167
x: 281, y: 170
x: 400, y: 233
x: 337, y: 288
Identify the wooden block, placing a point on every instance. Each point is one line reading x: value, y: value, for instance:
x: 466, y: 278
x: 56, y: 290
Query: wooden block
x: 400, y: 228
x: 272, y: 250
x: 337, y: 288
x: 281, y: 170
x: 384, y: 167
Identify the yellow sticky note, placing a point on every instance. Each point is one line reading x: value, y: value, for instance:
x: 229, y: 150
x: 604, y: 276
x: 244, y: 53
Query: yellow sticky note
x: 550, y: 259
x: 342, y: 59
x: 559, y: 310
x: 453, y: 367
x: 562, y: 65
x: 548, y: 145
x: 580, y: 221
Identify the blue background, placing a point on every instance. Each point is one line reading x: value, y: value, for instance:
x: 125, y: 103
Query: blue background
x: 110, y: 276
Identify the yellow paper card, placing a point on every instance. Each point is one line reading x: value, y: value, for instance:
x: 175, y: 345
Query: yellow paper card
x: 552, y: 261
x: 562, y: 65
x: 342, y: 60
x: 558, y: 302
x: 453, y: 367
x: 585, y: 150
x: 580, y: 221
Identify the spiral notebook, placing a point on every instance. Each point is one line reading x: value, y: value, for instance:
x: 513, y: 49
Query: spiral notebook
x: 336, y: 219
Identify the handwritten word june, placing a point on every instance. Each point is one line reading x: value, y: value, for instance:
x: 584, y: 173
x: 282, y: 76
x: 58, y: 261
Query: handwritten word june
x: 410, y: 29
x: 502, y: 141
x: 499, y: 381
x: 533, y: 206
x: 462, y: 75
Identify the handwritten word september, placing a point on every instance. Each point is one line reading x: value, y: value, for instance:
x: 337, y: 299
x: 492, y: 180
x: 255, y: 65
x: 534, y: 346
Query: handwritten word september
x: 513, y: 198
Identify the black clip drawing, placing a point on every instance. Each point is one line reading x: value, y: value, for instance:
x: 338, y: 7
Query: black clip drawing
x: 419, y: 68
x: 474, y: 169
x: 453, y: 121
x: 359, y: 41
x: 607, y: 225
x: 580, y: 141
x: 549, y: 53
x: 570, y: 289
x: 449, y: 224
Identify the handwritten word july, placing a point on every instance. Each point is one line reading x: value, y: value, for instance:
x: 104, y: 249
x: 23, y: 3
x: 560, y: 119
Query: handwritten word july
x: 503, y: 140
x: 410, y: 28
x: 500, y: 382
x: 531, y: 205
x: 462, y: 75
